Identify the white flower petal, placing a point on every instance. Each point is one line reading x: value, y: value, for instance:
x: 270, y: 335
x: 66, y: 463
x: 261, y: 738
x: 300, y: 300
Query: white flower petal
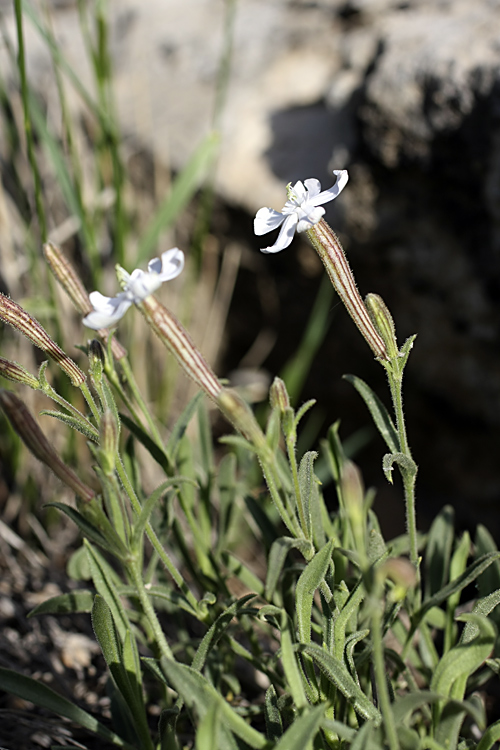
x: 267, y: 219
x: 310, y: 219
x: 298, y: 193
x: 333, y: 192
x: 285, y: 236
x: 107, y: 310
x: 313, y: 187
x: 172, y: 263
x: 142, y: 284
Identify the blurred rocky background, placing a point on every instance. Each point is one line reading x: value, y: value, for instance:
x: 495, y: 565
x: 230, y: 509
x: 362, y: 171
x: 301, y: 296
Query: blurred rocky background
x: 406, y: 96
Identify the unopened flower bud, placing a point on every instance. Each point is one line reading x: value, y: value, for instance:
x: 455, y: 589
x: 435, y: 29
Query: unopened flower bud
x: 278, y: 395
x: 15, y: 316
x: 67, y: 276
x: 17, y: 373
x: 97, y: 360
x: 108, y: 442
x: 32, y: 436
x: 383, y: 322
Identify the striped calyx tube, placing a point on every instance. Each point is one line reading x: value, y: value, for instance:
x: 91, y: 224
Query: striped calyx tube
x: 18, y: 318
x: 180, y: 344
x: 329, y: 249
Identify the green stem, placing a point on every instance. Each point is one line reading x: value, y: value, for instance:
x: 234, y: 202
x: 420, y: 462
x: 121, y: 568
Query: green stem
x: 384, y: 700
x: 157, y: 545
x: 129, y: 375
x: 289, y: 521
x: 409, y: 478
x: 90, y: 401
x: 135, y: 572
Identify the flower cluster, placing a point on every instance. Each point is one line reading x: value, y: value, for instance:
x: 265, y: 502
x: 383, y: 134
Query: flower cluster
x: 300, y: 213
x: 136, y: 287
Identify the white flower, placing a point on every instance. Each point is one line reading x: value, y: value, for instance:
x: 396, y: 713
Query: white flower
x: 136, y: 286
x: 302, y: 210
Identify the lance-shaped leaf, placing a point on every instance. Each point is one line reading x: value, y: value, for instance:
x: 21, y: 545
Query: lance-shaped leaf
x: 103, y: 577
x: 198, y: 693
x: 310, y: 579
x: 277, y: 556
x: 337, y: 674
x: 300, y: 735
x: 76, y: 601
x: 405, y: 463
x: 123, y: 663
x: 379, y: 413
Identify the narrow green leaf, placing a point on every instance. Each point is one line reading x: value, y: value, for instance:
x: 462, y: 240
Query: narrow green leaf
x: 338, y: 675
x: 483, y: 607
x: 310, y: 579
x: 88, y: 529
x: 465, y: 658
x: 198, y: 693
x: 307, y: 483
x: 207, y: 734
x: 184, y: 187
x: 300, y: 735
x: 103, y: 578
x: 227, y: 487
x: 274, y: 723
x: 277, y: 556
x: 489, y: 580
x: 217, y: 630
x: 405, y: 463
x: 403, y: 707
x: 290, y: 666
x: 181, y: 425
x: 364, y: 737
x: 76, y: 601
x: 491, y: 735
x: 155, y: 451
x: 36, y: 692
x: 379, y: 413
x: 123, y: 664
x: 467, y: 577
x: 438, y: 551
x: 166, y: 729
x: 148, y: 506
x: 75, y: 424
x: 405, y: 350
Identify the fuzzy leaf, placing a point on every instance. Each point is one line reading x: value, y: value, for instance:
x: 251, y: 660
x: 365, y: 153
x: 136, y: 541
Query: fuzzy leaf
x: 76, y: 424
x: 307, y: 482
x: 274, y: 723
x: 379, y: 413
x: 103, y: 578
x: 198, y: 693
x: 277, y: 556
x: 76, y: 601
x: 335, y: 671
x: 310, y: 579
x: 300, y: 734
x: 152, y: 448
x: 438, y: 551
x: 405, y: 463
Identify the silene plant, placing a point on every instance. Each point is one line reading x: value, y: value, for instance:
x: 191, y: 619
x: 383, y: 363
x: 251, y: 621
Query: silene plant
x: 338, y: 638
